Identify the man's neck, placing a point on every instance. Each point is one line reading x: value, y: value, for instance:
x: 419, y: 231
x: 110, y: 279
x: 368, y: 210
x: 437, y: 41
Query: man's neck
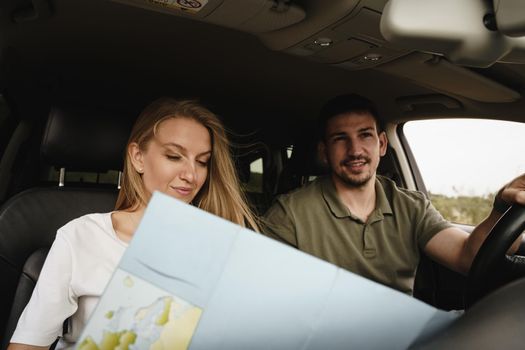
x: 361, y: 201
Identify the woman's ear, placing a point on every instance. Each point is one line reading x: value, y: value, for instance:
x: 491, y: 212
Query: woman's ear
x: 136, y: 157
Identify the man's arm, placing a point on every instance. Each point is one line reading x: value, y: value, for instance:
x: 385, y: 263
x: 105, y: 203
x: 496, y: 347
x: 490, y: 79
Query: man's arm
x: 456, y: 249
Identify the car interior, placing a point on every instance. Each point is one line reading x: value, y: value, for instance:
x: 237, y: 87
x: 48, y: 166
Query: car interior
x: 75, y: 74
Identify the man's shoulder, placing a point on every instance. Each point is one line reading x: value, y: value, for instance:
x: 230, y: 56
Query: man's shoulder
x: 309, y: 191
x: 292, y: 208
x: 303, y: 200
x: 394, y: 192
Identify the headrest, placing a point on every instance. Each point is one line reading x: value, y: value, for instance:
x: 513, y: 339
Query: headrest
x: 305, y: 157
x: 84, y: 139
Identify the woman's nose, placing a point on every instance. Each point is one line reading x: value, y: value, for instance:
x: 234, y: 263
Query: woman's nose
x: 188, y: 173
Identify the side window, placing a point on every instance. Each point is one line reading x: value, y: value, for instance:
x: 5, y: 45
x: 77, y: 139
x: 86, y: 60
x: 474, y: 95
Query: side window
x: 255, y: 178
x: 464, y: 162
x: 289, y: 151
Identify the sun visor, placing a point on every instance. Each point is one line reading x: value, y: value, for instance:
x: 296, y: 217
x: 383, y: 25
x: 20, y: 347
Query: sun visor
x: 465, y: 32
x: 253, y: 16
x: 510, y: 17
x: 442, y: 76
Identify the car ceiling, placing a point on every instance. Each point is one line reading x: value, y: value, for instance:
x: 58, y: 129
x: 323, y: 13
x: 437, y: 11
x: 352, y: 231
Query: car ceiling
x: 111, y: 54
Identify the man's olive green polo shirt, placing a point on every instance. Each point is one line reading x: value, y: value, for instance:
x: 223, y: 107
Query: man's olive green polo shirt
x: 386, y: 248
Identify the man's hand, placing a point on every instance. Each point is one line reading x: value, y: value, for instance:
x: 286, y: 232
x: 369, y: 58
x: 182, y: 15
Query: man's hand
x: 456, y: 249
x: 514, y: 191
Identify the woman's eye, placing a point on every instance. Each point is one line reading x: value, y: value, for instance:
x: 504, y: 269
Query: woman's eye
x: 203, y: 163
x: 172, y: 157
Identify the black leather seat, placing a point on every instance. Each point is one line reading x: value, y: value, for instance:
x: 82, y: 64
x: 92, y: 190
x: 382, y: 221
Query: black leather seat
x: 75, y: 139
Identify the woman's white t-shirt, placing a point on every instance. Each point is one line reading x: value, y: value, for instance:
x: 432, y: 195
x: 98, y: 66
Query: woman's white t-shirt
x: 80, y: 263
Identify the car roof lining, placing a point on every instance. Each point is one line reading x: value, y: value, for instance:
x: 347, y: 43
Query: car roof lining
x: 129, y: 56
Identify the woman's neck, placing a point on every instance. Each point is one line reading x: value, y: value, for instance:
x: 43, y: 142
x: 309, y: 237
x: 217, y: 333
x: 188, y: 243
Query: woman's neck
x: 125, y: 222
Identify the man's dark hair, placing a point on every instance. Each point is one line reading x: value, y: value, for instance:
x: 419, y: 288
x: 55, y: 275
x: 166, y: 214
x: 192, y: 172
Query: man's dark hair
x: 348, y: 103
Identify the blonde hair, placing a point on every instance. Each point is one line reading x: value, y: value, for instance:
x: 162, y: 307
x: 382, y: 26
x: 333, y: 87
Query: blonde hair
x: 221, y: 193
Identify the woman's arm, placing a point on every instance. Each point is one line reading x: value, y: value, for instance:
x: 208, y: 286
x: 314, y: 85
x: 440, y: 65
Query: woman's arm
x: 51, y: 303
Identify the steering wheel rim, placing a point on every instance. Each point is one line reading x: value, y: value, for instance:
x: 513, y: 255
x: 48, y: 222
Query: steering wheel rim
x: 492, y: 267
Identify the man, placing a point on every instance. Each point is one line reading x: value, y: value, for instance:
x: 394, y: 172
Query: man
x: 363, y: 222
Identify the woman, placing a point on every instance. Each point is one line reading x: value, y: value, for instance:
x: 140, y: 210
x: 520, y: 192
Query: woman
x: 177, y: 147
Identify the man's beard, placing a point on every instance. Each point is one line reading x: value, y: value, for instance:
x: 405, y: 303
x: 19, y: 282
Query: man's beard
x: 355, y: 181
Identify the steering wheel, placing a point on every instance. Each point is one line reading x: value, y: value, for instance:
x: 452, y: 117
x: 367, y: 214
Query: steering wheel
x: 492, y: 267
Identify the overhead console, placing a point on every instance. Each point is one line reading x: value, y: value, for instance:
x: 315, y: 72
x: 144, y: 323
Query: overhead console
x: 341, y: 32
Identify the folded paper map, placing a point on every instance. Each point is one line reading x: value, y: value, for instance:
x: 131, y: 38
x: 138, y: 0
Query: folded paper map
x: 191, y: 280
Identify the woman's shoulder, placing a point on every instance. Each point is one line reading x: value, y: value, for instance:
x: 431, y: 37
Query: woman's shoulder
x: 94, y: 224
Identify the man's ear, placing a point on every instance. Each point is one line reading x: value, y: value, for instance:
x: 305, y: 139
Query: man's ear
x: 321, y: 152
x: 383, y: 143
x: 136, y: 157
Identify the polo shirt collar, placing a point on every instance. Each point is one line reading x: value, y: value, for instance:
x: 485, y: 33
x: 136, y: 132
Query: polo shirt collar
x: 341, y: 211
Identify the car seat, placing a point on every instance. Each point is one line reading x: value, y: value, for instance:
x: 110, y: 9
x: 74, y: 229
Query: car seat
x: 75, y: 139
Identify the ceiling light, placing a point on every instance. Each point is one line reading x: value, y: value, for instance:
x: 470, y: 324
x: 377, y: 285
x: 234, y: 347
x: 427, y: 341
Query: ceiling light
x: 372, y: 57
x: 323, y: 42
